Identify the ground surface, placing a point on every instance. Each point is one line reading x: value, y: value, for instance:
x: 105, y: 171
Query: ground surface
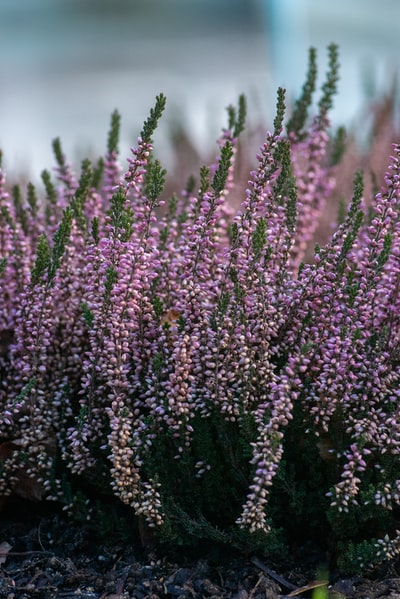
x: 50, y: 558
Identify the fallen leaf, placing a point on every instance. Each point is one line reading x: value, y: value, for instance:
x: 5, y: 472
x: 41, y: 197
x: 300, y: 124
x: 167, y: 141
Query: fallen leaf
x: 25, y: 486
x: 4, y: 549
x: 6, y: 449
x: 170, y: 317
x: 314, y: 584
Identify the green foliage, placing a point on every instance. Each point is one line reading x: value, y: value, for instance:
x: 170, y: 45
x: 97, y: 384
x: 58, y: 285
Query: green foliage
x: 95, y: 230
x: 6, y: 217
x: 121, y: 215
x: 383, y: 257
x: 299, y: 116
x: 286, y: 184
x: 32, y: 199
x: 259, y: 238
x: 113, y: 135
x: 191, y: 185
x: 98, y: 171
x: 87, y: 314
x: 151, y: 123
x: 20, y: 211
x: 237, y: 117
x: 356, y: 558
x: 353, y: 220
x: 193, y: 504
x: 25, y: 391
x: 338, y: 146
x: 155, y: 180
x: 241, y: 116
x: 280, y: 111
x: 158, y: 306
x: 187, y: 531
x: 51, y: 191
x: 58, y: 152
x: 80, y: 196
x: 60, y: 240
x: 234, y: 234
x: 43, y: 259
x: 221, y: 174
x: 296, y: 495
x: 223, y: 302
x: 204, y: 180
x: 111, y: 279
x: 329, y: 88
x: 3, y: 264
x: 297, y: 122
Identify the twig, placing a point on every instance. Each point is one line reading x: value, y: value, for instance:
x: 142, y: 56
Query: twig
x: 39, y: 537
x: 253, y: 590
x: 282, y: 581
x: 19, y: 553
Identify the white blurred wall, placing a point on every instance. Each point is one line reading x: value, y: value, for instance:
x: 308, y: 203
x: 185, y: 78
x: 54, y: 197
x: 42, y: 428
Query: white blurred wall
x: 368, y: 35
x: 66, y: 64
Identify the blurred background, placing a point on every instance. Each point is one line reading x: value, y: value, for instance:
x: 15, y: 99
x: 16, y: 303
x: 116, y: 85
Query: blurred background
x: 65, y: 65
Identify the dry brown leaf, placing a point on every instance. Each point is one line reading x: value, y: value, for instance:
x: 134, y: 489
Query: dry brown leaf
x: 28, y: 488
x: 170, y: 317
x: 6, y: 449
x: 314, y: 584
x: 326, y: 449
x: 25, y: 486
x: 4, y: 549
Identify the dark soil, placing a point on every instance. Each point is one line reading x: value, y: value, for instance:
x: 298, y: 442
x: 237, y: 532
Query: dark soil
x: 52, y: 558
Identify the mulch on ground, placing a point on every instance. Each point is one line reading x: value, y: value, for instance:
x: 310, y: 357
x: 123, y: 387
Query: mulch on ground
x: 51, y: 558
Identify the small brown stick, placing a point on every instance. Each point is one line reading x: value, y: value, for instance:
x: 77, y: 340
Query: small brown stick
x: 39, y: 536
x: 253, y: 590
x: 19, y: 553
x: 282, y: 581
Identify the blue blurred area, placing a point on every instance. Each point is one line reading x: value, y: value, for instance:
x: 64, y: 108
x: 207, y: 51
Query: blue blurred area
x: 66, y: 64
x: 368, y: 35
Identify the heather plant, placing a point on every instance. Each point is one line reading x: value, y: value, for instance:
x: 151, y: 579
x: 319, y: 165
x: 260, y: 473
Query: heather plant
x: 186, y: 358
